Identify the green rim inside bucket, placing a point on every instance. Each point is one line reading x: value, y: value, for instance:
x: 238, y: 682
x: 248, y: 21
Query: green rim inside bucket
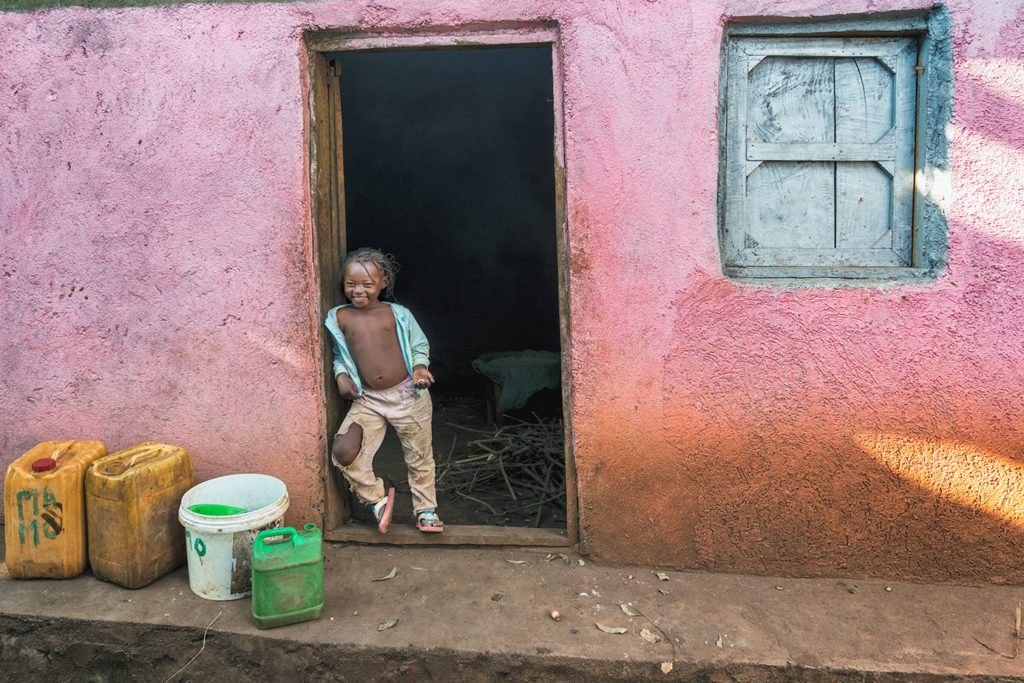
x: 215, y: 509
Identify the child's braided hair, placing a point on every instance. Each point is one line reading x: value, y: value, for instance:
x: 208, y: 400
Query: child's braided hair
x: 385, y: 264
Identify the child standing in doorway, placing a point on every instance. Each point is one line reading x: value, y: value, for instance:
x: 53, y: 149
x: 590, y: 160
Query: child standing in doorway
x: 380, y: 363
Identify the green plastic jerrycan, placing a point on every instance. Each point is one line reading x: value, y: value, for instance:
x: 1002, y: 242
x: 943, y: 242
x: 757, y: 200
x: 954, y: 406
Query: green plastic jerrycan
x: 287, y: 576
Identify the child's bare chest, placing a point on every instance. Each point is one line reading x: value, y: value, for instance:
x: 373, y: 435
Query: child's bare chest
x: 371, y: 330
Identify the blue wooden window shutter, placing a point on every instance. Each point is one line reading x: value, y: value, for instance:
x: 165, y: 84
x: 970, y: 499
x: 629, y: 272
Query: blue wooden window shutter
x: 820, y: 164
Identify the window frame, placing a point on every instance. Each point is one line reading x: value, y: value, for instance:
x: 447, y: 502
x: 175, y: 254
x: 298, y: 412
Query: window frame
x: 928, y: 228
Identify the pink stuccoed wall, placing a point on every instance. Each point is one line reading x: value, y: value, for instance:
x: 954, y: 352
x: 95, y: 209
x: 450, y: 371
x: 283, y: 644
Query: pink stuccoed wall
x: 156, y: 282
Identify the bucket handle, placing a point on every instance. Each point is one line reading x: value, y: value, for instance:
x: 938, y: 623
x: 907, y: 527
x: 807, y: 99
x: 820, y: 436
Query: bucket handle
x: 272, y: 533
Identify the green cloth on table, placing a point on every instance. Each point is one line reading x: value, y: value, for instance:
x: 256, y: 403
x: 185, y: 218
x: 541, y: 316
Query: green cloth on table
x: 520, y: 374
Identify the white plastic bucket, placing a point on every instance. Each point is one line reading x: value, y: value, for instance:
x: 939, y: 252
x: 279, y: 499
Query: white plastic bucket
x: 219, y: 548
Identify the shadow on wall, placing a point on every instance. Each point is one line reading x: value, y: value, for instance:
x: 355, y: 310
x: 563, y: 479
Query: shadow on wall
x: 864, y: 431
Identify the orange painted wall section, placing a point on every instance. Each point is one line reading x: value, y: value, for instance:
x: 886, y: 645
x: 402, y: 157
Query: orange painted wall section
x: 157, y: 282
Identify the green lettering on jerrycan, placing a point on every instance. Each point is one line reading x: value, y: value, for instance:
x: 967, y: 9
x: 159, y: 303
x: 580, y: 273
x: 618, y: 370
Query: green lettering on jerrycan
x: 287, y: 576
x: 44, y: 505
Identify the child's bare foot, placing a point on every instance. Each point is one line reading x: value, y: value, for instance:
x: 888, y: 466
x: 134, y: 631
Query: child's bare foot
x: 428, y: 522
x: 383, y: 509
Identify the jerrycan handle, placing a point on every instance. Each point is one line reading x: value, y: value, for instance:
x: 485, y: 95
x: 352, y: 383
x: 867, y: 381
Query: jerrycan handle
x: 63, y: 449
x: 44, y: 465
x: 287, y: 535
x: 119, y: 466
x: 143, y: 454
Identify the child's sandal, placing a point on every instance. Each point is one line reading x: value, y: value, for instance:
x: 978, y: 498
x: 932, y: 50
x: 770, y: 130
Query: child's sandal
x: 382, y: 511
x: 428, y: 522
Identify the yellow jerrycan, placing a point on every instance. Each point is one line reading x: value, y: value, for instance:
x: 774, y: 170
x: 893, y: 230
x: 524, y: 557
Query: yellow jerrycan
x: 44, y: 510
x: 131, y: 501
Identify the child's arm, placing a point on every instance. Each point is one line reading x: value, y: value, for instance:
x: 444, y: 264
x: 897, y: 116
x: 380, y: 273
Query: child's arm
x: 346, y: 387
x: 421, y: 376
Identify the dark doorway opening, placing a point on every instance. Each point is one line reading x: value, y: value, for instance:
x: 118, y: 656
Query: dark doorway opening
x: 448, y: 164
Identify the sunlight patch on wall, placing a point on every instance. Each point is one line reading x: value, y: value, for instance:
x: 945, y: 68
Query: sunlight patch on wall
x: 954, y: 471
x: 935, y: 183
x: 1001, y: 75
x: 282, y: 352
x: 996, y: 172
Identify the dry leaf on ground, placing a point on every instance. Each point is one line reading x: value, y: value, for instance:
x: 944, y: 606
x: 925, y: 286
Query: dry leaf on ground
x: 650, y: 636
x: 610, y: 629
x: 662, y: 576
x: 627, y: 610
x: 666, y: 667
x: 387, y: 623
x: 516, y: 561
x: 390, y: 575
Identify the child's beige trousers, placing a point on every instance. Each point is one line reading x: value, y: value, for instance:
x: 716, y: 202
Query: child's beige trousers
x: 410, y: 415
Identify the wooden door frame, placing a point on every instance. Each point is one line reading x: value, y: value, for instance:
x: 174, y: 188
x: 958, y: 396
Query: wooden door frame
x: 327, y: 204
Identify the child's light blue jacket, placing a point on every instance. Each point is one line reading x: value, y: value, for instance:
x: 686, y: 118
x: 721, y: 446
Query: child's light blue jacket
x: 415, y: 349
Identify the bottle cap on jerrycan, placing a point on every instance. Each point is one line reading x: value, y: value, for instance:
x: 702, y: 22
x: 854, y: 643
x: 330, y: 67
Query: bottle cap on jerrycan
x: 43, y: 465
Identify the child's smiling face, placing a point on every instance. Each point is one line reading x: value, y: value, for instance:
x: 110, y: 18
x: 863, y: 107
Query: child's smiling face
x: 363, y: 284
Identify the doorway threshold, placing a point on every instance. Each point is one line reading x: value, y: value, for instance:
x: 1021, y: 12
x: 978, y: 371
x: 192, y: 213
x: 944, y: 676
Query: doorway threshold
x: 454, y: 534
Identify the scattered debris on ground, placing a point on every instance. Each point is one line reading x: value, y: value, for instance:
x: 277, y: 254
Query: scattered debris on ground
x: 512, y: 471
x: 390, y: 575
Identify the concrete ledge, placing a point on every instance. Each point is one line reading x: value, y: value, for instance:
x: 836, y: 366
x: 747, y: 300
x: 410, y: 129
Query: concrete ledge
x: 472, y: 614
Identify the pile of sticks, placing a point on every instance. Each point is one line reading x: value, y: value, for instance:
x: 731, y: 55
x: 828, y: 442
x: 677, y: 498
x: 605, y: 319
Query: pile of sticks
x: 517, y: 470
